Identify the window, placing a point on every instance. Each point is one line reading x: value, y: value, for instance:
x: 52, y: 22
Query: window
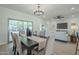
x: 17, y: 25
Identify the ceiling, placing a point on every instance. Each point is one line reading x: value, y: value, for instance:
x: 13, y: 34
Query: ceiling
x: 51, y: 10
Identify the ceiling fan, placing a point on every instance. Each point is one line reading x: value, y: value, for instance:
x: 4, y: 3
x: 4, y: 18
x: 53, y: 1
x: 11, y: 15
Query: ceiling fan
x: 58, y: 17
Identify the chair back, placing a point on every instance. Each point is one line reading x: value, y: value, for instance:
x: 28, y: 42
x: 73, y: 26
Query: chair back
x: 22, y: 33
x: 77, y: 44
x: 49, y: 44
x: 13, y: 39
x: 17, y: 42
x: 47, y: 39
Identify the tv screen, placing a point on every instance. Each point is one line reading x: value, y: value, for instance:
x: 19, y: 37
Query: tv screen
x: 62, y: 26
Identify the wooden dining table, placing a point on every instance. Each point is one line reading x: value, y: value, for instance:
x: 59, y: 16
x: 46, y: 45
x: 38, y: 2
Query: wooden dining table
x: 29, y: 44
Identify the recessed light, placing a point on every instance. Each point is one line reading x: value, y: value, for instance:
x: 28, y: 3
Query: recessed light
x: 72, y: 8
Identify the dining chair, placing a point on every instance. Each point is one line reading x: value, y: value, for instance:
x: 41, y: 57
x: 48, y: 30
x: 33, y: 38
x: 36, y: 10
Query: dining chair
x: 22, y: 33
x: 77, y: 44
x: 14, y: 42
x: 42, y: 50
x: 50, y: 44
x: 18, y: 45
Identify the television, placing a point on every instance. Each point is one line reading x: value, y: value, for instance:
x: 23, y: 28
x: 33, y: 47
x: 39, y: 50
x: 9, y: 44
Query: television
x: 62, y: 26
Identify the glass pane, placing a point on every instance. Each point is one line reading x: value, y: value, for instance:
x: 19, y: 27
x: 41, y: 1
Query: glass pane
x: 12, y: 25
x: 25, y: 25
x: 20, y: 25
x: 30, y: 25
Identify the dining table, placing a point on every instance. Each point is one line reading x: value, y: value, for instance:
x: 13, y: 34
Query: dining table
x: 41, y: 41
x: 29, y: 44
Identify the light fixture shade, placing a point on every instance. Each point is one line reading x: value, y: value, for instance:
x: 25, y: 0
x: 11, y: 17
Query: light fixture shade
x: 38, y: 11
x: 74, y: 27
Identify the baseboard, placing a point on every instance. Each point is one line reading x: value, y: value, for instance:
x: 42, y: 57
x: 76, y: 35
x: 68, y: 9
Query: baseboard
x: 61, y: 40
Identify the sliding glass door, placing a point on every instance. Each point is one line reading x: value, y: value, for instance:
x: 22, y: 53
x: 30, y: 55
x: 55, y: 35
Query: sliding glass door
x: 17, y: 25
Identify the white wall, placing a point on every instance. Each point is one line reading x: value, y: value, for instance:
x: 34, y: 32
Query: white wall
x: 68, y: 20
x: 51, y: 25
x: 6, y: 13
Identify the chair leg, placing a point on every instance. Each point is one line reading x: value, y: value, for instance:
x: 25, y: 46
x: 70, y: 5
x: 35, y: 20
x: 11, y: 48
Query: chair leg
x: 14, y: 49
x: 17, y: 53
x: 76, y: 49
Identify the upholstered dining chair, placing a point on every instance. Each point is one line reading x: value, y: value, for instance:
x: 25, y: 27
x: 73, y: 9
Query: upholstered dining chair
x: 37, y: 52
x: 77, y: 44
x: 50, y: 45
x: 18, y: 45
x: 14, y: 42
x: 48, y: 50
